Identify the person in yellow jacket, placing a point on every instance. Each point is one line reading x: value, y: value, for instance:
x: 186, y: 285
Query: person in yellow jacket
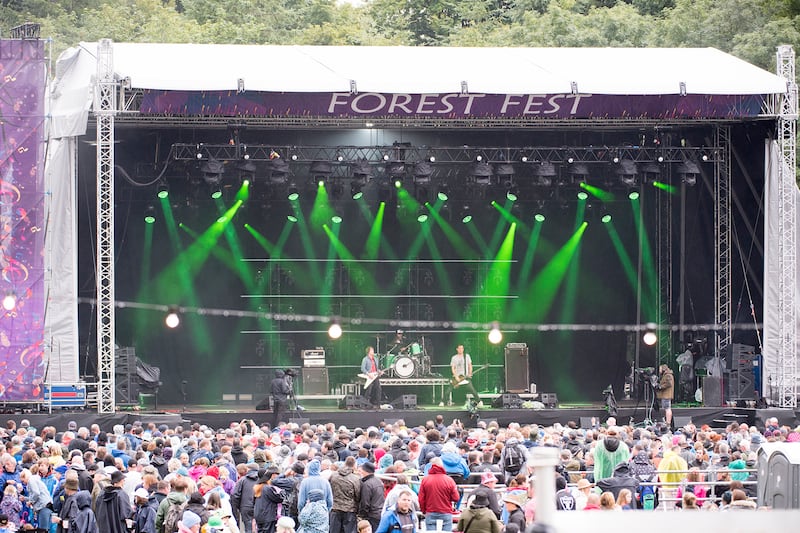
x: 671, y: 473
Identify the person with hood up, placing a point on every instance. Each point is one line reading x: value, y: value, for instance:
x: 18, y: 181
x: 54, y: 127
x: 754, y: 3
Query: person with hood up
x: 83, y: 520
x: 113, y: 506
x: 159, y: 462
x: 314, y: 481
x: 454, y: 464
x: 478, y: 517
x: 242, y: 501
x: 622, y: 479
x: 144, y: 518
x: 671, y: 473
x: 608, y: 453
x: 346, y: 488
x: 313, y: 516
x: 437, y: 495
x: 400, y: 518
x: 189, y: 523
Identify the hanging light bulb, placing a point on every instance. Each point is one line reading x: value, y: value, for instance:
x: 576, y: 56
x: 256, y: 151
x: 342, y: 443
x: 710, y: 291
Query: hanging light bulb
x: 650, y: 337
x: 172, y: 320
x: 495, y: 335
x: 335, y: 330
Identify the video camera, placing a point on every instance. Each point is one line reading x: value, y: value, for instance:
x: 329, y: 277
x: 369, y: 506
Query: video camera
x: 648, y: 375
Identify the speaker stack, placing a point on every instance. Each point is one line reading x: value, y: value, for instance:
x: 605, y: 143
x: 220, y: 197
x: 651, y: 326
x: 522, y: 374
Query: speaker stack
x: 740, y: 363
x: 405, y: 401
x: 517, y: 373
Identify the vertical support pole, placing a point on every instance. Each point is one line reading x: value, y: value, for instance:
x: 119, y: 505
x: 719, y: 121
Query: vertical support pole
x: 722, y: 231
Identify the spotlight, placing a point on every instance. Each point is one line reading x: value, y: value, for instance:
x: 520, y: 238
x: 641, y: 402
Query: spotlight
x: 216, y: 192
x: 583, y: 195
x: 336, y: 219
x: 650, y: 337
x: 633, y: 195
x: 292, y: 194
x: 172, y: 320
x: 10, y: 301
x: 422, y: 172
x: 163, y: 190
x: 335, y: 330
x: 422, y: 215
x: 279, y: 171
x: 495, y: 335
x: 606, y: 219
x: 398, y: 182
x: 355, y: 190
x: 149, y: 214
x: 482, y: 173
x: 512, y: 194
x: 466, y: 215
x: 538, y: 217
x: 212, y: 171
x: 444, y: 193
x: 291, y: 218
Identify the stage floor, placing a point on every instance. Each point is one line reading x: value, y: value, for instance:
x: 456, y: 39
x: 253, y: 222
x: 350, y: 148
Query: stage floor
x: 218, y: 416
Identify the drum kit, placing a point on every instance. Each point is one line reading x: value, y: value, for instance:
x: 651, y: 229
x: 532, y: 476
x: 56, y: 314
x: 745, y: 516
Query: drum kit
x: 410, y: 361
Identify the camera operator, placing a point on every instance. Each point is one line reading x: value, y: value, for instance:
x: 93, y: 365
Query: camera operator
x: 665, y: 391
x: 281, y: 388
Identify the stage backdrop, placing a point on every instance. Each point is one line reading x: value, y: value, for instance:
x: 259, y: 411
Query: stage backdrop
x: 22, y: 219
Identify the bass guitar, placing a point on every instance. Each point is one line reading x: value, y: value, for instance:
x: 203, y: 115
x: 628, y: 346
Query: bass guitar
x: 457, y: 381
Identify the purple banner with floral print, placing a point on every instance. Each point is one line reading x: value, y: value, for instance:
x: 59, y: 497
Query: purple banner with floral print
x: 22, y: 212
x: 450, y: 105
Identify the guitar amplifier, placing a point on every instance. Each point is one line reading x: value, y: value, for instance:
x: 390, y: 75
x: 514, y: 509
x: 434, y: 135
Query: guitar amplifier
x: 516, y: 367
x: 315, y: 380
x: 318, y: 353
x: 313, y: 363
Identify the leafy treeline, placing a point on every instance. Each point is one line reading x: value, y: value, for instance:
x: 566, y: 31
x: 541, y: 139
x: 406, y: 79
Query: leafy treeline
x: 750, y: 29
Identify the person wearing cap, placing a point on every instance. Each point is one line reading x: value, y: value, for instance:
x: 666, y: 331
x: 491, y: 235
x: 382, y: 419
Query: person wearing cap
x: 515, y: 503
x: 400, y: 517
x: 38, y: 498
x: 478, y: 517
x: 486, y: 489
x: 113, y: 507
x: 144, y: 517
x: 371, y: 495
x: 267, y: 498
x: 285, y: 525
x: 189, y: 523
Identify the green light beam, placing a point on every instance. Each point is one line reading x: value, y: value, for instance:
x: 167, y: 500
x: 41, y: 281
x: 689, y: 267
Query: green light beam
x: 322, y: 211
x: 460, y: 244
x: 622, y: 253
x: 649, y: 273
x: 600, y: 194
x: 530, y: 251
x: 374, y: 237
x: 665, y: 187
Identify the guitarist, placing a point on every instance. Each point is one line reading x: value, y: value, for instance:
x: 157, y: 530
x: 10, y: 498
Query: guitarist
x: 461, y: 366
x: 369, y: 366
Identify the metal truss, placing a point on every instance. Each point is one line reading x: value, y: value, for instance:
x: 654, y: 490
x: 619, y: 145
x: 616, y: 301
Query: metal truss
x: 787, y: 233
x: 722, y: 233
x: 104, y: 109
x: 412, y: 154
x: 664, y: 234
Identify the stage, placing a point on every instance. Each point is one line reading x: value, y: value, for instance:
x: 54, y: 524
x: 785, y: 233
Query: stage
x: 218, y: 416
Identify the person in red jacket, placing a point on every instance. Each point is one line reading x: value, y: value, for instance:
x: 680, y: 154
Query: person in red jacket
x: 437, y: 494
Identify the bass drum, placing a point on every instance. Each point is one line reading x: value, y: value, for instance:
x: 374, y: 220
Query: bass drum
x: 404, y: 367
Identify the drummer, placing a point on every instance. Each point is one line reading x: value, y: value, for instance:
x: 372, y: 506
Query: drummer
x: 461, y: 366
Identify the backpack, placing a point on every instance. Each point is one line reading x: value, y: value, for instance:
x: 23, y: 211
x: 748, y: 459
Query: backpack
x: 513, y: 459
x: 647, y: 496
x: 289, y: 501
x: 172, y: 516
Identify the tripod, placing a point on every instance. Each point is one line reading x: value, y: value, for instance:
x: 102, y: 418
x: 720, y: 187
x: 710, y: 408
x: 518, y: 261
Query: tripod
x: 292, y: 399
x: 648, y: 391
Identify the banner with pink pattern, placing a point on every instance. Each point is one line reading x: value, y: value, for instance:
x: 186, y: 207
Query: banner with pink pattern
x: 22, y: 219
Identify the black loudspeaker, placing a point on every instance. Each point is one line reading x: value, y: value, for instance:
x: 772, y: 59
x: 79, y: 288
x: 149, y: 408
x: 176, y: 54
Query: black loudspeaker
x: 315, y: 380
x: 740, y: 385
x: 712, y: 391
x: 405, y: 401
x: 507, y: 400
x: 351, y: 401
x: 516, y: 359
x: 549, y: 399
x: 265, y: 404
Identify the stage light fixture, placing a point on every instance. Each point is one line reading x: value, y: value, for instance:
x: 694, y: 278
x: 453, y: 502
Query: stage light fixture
x: 361, y: 169
x: 650, y: 337
x: 538, y: 217
x: 606, y: 218
x: 512, y: 194
x: 335, y: 330
x: 690, y: 180
x: 278, y: 171
x: 504, y: 169
x: 355, y: 190
x: 444, y: 192
x: 398, y: 182
x: 172, y: 319
x: 336, y: 219
x: 579, y: 170
x: 163, y: 190
x: 422, y: 215
x: 216, y: 192
x: 291, y: 218
x: 149, y: 214
x: 633, y: 195
x: 687, y: 170
x: 495, y: 335
x: 466, y: 215
x: 583, y: 195
x: 482, y: 173
x: 292, y: 194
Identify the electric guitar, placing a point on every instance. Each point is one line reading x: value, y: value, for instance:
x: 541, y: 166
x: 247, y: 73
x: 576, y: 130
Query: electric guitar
x: 457, y: 381
x: 370, y: 377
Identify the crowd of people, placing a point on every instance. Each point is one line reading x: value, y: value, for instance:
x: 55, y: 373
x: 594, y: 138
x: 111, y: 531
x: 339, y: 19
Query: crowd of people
x: 148, y: 478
